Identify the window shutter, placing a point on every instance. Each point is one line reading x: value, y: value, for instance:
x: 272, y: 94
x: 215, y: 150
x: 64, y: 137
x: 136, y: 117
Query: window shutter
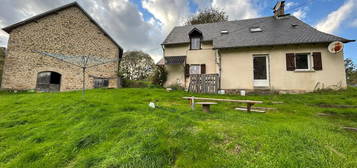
x: 203, y: 68
x: 317, y: 61
x: 187, y: 70
x: 290, y: 61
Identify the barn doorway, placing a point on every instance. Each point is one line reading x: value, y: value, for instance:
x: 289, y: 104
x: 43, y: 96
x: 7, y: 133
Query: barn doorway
x: 48, y: 81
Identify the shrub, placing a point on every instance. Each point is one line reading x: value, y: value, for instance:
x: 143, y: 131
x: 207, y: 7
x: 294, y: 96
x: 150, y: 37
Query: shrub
x: 160, y: 76
x: 176, y: 87
x: 136, y: 84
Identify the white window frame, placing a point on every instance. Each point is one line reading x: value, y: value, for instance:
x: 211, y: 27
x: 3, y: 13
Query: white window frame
x: 197, y: 68
x: 309, y: 62
x: 192, y: 42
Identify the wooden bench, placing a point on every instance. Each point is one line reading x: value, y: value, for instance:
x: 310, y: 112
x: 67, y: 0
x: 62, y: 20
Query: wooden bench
x: 206, y: 106
x: 249, y: 103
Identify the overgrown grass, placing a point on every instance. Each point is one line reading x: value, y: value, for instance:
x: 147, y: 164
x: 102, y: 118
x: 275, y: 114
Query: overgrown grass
x: 116, y: 128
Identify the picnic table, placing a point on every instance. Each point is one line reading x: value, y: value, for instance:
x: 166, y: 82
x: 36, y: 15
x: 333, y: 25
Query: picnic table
x: 249, y: 103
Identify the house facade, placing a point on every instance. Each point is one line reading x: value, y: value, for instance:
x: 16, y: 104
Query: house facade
x: 278, y: 53
x: 67, y: 30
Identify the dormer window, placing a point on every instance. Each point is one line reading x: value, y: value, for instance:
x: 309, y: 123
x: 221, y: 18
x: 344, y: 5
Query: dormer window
x: 195, y: 39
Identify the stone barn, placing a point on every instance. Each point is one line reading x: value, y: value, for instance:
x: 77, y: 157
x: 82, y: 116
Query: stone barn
x: 67, y: 30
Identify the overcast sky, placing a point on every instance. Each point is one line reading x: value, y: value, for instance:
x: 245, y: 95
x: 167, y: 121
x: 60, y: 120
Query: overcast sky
x: 144, y: 24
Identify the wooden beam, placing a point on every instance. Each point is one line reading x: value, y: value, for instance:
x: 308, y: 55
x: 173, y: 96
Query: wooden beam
x: 226, y: 100
x: 252, y: 110
x: 350, y: 128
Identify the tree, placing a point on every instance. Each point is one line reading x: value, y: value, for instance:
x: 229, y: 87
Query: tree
x: 136, y: 65
x: 351, y: 72
x: 210, y: 15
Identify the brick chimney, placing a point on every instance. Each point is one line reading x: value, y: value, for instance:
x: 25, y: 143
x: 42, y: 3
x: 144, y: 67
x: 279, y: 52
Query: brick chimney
x: 279, y: 9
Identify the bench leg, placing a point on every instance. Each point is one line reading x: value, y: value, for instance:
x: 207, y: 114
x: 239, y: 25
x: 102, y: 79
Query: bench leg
x: 192, y: 103
x: 206, y: 108
x: 249, y: 106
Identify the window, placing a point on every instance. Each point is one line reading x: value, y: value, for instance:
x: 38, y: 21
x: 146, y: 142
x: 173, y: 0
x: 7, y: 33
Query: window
x: 195, y: 39
x: 195, y: 69
x: 302, y: 61
x: 101, y: 83
x: 195, y: 43
x: 256, y: 29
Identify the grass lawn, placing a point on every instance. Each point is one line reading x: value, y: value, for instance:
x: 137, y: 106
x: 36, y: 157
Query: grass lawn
x: 116, y: 128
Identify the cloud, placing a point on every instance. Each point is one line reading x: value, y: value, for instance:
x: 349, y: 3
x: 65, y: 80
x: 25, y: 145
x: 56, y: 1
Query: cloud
x: 168, y: 13
x: 334, y: 20
x: 300, y: 14
x: 3, y: 38
x: 237, y: 9
x: 203, y: 4
x: 354, y: 23
x: 289, y: 5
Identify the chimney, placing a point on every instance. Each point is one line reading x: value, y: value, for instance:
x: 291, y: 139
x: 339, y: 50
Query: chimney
x: 279, y: 9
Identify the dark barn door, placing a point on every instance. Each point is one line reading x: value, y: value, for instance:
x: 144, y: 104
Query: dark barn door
x: 48, y: 82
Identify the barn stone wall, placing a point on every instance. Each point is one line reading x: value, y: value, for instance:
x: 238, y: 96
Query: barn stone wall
x: 67, y: 32
x: 2, y: 59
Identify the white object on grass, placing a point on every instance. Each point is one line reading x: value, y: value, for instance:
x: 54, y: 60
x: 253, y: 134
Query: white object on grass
x: 152, y: 105
x: 221, y: 92
x: 242, y: 92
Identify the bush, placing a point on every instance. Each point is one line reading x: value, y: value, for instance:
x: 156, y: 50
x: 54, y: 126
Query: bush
x: 160, y: 76
x: 176, y: 87
x: 136, y: 84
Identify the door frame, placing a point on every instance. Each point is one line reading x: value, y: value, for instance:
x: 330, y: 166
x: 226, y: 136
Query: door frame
x: 262, y: 83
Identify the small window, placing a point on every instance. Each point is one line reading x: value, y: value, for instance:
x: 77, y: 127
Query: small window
x: 256, y: 29
x: 195, y: 43
x: 195, y: 69
x: 101, y: 83
x: 195, y: 39
x: 224, y: 32
x: 302, y: 61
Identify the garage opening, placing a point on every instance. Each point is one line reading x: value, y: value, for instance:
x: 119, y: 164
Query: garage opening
x: 48, y: 81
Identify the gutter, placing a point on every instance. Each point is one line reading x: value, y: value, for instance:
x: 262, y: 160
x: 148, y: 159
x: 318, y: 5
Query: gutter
x: 272, y: 45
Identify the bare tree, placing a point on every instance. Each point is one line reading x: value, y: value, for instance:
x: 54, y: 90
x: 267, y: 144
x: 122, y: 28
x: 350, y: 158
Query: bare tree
x: 210, y: 15
x: 136, y: 65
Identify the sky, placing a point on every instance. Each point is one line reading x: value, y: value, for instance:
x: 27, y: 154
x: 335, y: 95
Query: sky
x: 144, y: 24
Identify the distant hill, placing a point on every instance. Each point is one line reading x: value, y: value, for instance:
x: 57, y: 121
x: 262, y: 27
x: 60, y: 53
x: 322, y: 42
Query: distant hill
x: 2, y: 59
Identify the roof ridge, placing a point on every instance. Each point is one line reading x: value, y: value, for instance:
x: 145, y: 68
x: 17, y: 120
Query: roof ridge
x: 224, y: 21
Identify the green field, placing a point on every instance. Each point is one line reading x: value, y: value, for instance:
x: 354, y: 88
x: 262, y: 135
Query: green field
x: 116, y: 128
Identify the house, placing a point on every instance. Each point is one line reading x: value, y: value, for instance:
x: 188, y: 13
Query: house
x: 277, y: 53
x: 67, y: 30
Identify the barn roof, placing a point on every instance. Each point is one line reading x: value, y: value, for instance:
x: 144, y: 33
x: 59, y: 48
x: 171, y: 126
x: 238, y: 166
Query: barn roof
x: 8, y: 29
x: 241, y: 33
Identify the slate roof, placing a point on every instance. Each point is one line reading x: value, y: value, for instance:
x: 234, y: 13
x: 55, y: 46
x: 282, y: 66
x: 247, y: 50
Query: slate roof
x: 8, y: 29
x: 276, y: 31
x: 175, y: 60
